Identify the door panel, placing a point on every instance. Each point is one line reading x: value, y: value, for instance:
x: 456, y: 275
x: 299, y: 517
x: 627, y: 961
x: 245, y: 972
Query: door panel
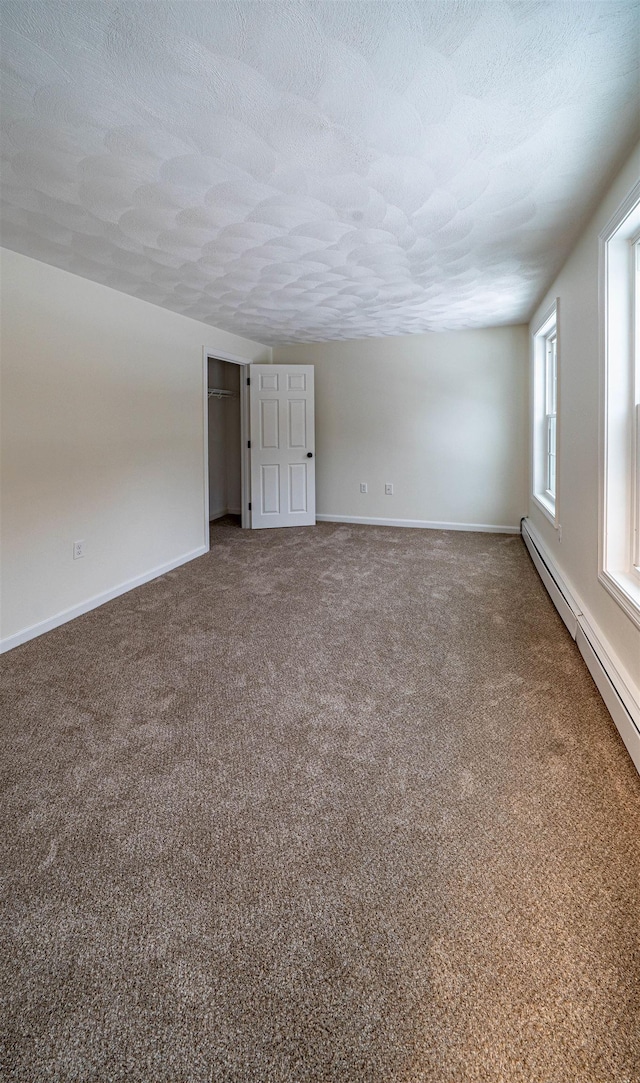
x: 297, y: 423
x: 296, y: 381
x: 297, y: 487
x: 268, y: 381
x: 270, y: 490
x: 269, y: 423
x: 282, y: 445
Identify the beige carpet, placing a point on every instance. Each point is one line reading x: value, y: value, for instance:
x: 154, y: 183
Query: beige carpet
x: 330, y: 804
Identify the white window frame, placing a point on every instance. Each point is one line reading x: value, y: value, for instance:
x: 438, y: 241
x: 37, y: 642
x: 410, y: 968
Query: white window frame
x: 635, y: 495
x: 619, y: 512
x: 545, y: 398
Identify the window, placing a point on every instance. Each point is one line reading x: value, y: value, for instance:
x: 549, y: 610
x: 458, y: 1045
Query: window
x: 551, y: 394
x: 545, y: 400
x: 620, y: 386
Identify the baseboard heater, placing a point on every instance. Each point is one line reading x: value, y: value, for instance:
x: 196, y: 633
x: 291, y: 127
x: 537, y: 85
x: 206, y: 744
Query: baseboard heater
x: 617, y: 697
x: 563, y: 600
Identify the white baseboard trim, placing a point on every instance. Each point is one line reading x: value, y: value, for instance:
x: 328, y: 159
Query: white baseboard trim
x: 619, y: 693
x: 420, y: 524
x: 9, y: 642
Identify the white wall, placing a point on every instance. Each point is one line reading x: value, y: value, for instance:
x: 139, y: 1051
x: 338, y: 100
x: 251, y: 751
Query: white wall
x: 576, y: 555
x: 102, y: 439
x: 440, y: 416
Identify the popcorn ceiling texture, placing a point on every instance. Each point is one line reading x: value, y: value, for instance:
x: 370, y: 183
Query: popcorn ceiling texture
x: 310, y: 171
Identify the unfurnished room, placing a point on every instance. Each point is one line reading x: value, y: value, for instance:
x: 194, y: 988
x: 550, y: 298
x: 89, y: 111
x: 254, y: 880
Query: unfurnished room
x: 320, y: 541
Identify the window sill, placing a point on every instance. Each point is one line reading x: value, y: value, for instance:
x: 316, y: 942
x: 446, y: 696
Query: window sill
x: 546, y: 506
x: 624, y: 587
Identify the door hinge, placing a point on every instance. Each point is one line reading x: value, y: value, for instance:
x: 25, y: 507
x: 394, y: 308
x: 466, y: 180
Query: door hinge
x: 248, y: 443
x: 249, y: 505
x: 248, y: 380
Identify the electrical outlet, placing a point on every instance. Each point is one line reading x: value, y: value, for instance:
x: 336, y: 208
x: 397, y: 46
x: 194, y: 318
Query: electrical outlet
x: 78, y: 549
x: 363, y: 487
x: 388, y: 489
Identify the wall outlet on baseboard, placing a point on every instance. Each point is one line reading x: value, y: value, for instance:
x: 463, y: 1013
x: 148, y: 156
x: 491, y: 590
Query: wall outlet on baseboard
x: 388, y: 489
x: 364, y: 487
x: 78, y: 549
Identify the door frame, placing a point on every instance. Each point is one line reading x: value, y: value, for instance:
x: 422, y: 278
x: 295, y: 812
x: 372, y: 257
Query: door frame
x: 245, y: 454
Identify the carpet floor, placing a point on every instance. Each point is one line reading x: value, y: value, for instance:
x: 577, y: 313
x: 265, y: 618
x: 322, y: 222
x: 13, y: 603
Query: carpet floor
x: 338, y: 804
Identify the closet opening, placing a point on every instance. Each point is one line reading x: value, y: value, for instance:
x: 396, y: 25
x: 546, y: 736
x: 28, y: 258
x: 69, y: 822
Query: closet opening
x: 226, y: 402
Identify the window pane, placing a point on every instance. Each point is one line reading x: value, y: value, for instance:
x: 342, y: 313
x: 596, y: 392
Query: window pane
x: 551, y: 455
x: 551, y: 373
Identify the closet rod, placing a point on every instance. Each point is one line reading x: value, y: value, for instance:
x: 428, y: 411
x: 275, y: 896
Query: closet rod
x: 220, y: 393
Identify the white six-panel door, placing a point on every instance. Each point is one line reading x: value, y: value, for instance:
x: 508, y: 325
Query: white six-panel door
x: 283, y: 474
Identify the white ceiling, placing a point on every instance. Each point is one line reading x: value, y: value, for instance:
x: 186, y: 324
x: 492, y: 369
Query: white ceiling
x: 309, y: 171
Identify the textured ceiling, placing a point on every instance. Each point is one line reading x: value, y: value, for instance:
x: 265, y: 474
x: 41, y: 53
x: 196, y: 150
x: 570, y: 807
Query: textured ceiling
x: 308, y: 171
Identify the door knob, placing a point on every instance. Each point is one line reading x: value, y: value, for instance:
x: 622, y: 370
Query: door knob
x: 309, y: 455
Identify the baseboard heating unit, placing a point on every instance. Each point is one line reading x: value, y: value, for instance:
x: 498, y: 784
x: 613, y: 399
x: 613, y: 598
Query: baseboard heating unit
x: 620, y: 695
